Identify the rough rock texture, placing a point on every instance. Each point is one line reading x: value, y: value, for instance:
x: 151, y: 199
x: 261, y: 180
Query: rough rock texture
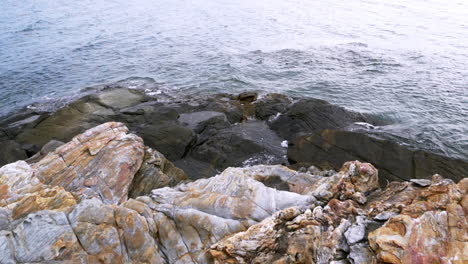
x: 70, y: 203
x: 258, y: 214
x: 312, y: 234
x: 330, y: 148
x: 155, y: 172
x: 205, y: 134
x: 16, y: 178
x: 429, y: 226
x: 103, y: 160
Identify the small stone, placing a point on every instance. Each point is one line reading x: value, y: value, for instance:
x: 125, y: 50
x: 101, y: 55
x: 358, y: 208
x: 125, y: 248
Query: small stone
x: 421, y: 182
x: 357, y: 231
x: 384, y: 216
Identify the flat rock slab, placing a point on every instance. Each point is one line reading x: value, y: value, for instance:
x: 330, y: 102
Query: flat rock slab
x: 330, y: 148
x: 308, y: 115
x: 198, y: 120
x: 120, y: 98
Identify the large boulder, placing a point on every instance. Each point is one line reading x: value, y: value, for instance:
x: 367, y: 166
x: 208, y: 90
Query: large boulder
x: 309, y: 115
x: 247, y: 143
x: 271, y: 105
x: 329, y: 148
x: 171, y: 138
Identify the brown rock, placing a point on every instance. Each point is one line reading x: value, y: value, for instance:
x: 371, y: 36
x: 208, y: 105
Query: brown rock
x: 53, y: 199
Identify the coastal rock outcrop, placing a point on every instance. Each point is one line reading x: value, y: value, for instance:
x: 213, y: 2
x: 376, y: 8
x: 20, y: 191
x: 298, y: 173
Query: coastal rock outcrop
x: 205, y: 134
x: 79, y: 212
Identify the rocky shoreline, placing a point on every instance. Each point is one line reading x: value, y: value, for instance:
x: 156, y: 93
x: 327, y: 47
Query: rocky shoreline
x: 126, y: 176
x: 105, y: 197
x: 203, y: 135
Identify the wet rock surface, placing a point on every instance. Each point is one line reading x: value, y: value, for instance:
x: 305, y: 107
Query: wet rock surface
x: 309, y: 115
x: 204, y: 135
x: 81, y: 203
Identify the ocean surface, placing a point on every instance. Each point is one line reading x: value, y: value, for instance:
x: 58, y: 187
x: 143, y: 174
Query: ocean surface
x: 406, y: 61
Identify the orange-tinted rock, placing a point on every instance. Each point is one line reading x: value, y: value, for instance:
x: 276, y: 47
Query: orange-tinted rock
x: 54, y: 199
x: 103, y: 159
x: 426, y: 239
x: 72, y: 207
x: 291, y: 236
x: 17, y: 179
x: 431, y: 227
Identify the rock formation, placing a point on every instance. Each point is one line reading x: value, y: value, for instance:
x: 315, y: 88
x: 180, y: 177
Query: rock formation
x: 73, y: 206
x: 329, y: 148
x: 203, y: 135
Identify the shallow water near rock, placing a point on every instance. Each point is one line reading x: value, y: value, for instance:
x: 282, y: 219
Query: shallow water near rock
x: 403, y: 61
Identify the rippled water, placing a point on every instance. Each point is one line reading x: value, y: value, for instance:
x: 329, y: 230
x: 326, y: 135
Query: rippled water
x: 404, y: 60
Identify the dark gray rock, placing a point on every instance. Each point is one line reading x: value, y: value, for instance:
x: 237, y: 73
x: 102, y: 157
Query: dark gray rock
x: 331, y: 148
x: 196, y: 169
x: 232, y: 146
x: 271, y: 105
x: 248, y: 97
x: 49, y: 147
x: 309, y: 115
x: 170, y: 138
x: 155, y: 172
x: 14, y: 124
x: 152, y: 112
x: 11, y: 152
x: 198, y: 121
x: 206, y: 134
